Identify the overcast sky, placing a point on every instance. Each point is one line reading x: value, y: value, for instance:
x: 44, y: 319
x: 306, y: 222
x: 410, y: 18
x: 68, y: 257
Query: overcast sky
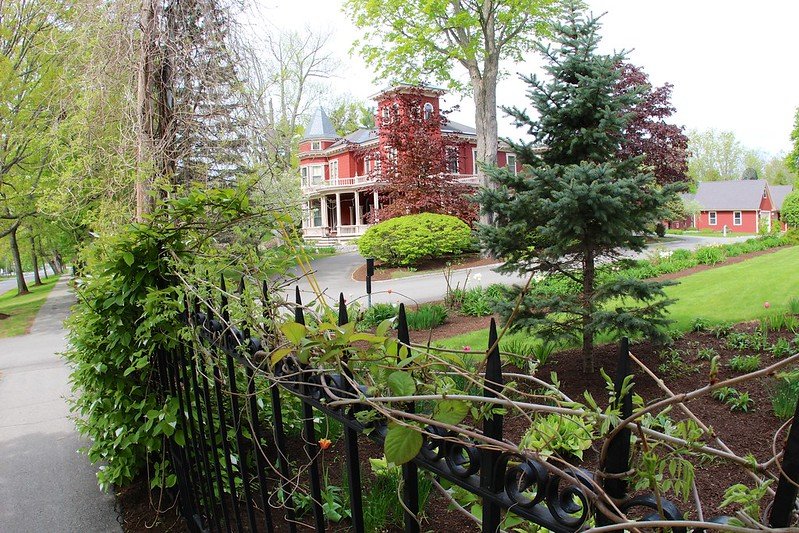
x: 732, y: 63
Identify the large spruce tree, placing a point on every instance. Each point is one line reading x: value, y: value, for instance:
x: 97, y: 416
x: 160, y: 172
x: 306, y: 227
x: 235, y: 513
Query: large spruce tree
x: 577, y: 204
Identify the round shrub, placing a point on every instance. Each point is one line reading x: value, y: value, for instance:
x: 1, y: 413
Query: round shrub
x: 790, y: 210
x: 409, y: 239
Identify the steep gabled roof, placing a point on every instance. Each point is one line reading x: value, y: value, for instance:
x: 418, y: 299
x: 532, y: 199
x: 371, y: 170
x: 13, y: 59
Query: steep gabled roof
x: 778, y: 194
x: 738, y: 195
x: 320, y: 127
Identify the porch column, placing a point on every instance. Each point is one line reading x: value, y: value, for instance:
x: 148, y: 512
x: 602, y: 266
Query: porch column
x: 358, y: 221
x: 338, y: 213
x: 323, y: 201
x: 377, y: 203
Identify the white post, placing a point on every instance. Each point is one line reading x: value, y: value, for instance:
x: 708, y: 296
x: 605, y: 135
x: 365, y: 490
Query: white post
x: 338, y: 213
x: 376, y: 206
x: 357, y: 209
x: 323, y: 202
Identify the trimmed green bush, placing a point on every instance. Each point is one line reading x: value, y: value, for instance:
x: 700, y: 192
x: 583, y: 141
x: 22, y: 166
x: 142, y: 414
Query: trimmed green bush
x: 409, y: 239
x: 790, y: 210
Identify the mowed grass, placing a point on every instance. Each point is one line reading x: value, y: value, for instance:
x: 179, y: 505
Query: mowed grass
x: 734, y: 293
x: 23, y: 309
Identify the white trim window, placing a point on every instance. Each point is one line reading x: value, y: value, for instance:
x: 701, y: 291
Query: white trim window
x: 711, y: 218
x: 428, y: 110
x: 304, y: 176
x: 334, y: 169
x: 453, y: 159
x: 316, y: 145
x: 511, y: 162
x: 317, y: 174
x: 737, y: 218
x: 315, y: 218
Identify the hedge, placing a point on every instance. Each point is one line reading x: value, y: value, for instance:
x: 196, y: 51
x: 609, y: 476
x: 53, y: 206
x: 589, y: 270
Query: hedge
x: 407, y: 240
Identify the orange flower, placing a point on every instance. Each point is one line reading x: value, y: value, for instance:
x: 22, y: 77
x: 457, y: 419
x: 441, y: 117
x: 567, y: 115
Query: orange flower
x: 324, y: 443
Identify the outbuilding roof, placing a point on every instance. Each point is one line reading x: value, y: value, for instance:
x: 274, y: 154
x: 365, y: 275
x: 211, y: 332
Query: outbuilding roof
x: 738, y: 195
x: 778, y: 194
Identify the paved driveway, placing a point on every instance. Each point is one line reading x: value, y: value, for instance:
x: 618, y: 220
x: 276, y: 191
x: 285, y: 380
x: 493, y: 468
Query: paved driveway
x: 45, y: 484
x: 334, y: 275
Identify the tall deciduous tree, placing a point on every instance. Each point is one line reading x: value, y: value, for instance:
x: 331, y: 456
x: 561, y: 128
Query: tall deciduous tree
x: 648, y: 133
x: 413, y: 40
x: 792, y: 160
x: 715, y: 155
x: 413, y: 170
x: 29, y: 66
x: 577, y: 203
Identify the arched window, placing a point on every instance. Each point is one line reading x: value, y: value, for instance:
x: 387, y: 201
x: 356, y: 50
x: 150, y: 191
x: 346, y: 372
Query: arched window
x: 428, y: 111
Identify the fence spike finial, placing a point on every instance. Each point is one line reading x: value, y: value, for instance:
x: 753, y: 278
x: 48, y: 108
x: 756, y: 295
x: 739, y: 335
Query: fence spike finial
x: 403, y: 334
x: 342, y: 310
x: 299, y: 316
x: 223, y: 290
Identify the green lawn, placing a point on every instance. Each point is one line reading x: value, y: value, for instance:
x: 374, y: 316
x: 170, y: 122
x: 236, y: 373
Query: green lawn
x: 734, y: 293
x: 22, y: 309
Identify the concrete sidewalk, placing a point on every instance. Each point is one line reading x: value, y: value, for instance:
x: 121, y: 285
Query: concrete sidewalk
x: 45, y: 484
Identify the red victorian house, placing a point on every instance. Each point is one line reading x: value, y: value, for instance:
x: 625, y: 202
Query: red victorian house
x: 740, y: 206
x: 339, y: 175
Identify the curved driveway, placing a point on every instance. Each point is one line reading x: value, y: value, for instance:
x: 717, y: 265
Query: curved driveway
x: 334, y: 275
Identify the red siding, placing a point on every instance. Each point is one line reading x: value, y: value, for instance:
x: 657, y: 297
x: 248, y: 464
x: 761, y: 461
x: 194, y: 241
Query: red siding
x: 765, y: 203
x: 748, y: 219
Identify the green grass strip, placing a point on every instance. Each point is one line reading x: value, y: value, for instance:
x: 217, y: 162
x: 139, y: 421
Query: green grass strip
x: 734, y: 293
x: 22, y: 310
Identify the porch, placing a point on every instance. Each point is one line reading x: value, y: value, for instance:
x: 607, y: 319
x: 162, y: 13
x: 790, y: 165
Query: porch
x: 339, y: 216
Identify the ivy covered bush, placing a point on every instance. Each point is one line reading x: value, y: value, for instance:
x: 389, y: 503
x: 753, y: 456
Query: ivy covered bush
x: 407, y: 240
x: 129, y: 305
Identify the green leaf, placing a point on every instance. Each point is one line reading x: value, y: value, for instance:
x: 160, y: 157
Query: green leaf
x: 278, y: 355
x: 451, y: 411
x: 294, y: 332
x: 402, y: 444
x: 401, y: 383
x: 128, y: 257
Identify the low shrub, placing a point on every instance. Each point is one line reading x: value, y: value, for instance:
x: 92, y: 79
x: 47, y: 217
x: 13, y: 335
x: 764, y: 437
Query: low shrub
x: 783, y: 399
x: 407, y: 240
x: 373, y: 316
x: 711, y: 255
x: 741, y: 402
x: 793, y: 306
x: 426, y: 317
x: 706, y: 354
x: 745, y: 363
x: 566, y: 435
x: 476, y: 303
x: 782, y: 348
x: 699, y: 324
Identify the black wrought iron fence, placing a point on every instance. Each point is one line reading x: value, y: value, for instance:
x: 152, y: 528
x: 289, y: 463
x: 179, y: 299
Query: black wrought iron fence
x: 232, y: 477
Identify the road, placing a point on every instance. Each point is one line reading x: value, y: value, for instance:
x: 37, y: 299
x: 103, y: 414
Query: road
x: 334, y: 275
x: 6, y: 284
x: 45, y: 484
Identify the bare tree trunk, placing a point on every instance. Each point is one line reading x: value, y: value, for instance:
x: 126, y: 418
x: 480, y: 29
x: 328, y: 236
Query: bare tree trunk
x: 22, y: 287
x: 144, y: 119
x: 43, y: 256
x: 36, y: 279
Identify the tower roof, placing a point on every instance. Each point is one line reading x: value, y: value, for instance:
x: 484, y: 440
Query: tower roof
x: 320, y: 127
